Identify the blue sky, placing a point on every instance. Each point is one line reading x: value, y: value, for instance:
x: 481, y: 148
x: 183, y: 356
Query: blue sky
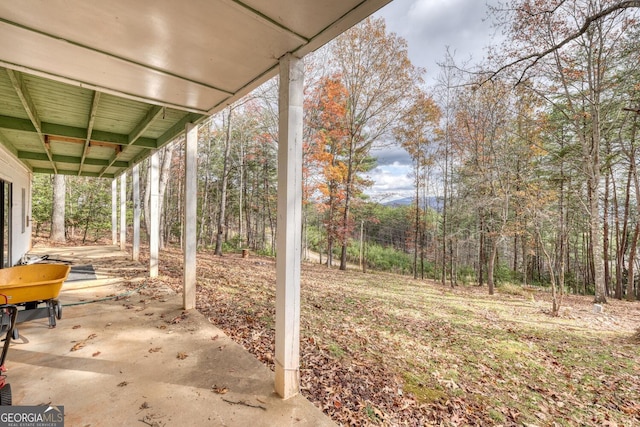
x: 429, y: 26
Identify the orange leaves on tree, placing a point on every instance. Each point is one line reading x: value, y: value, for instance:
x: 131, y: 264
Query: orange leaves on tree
x: 326, y: 170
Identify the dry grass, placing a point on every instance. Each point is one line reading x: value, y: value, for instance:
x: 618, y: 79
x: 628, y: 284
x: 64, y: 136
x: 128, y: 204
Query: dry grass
x: 385, y: 349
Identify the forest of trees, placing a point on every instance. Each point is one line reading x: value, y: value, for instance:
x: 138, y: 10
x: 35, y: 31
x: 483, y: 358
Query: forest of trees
x: 532, y: 166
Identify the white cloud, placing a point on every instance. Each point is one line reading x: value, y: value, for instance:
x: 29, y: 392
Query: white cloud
x: 391, y: 155
x: 391, y: 182
x: 429, y: 26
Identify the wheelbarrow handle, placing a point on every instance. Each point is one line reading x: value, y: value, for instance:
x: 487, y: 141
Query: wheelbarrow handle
x: 13, y: 313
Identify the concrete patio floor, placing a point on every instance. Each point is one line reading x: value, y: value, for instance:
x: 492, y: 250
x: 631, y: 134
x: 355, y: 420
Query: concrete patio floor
x: 140, y: 360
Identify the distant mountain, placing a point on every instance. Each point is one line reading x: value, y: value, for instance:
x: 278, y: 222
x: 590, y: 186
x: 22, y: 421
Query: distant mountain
x: 431, y: 202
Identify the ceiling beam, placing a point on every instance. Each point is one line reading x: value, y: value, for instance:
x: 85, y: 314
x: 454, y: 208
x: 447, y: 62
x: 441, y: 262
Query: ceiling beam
x: 69, y: 172
x: 30, y: 109
x: 94, y: 143
x: 133, y: 137
x: 24, y: 125
x: 144, y: 124
x: 178, y: 128
x: 166, y: 137
x: 91, y: 121
x: 74, y: 160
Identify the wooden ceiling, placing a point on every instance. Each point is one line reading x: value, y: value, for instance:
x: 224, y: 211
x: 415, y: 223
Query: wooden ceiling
x: 91, y: 87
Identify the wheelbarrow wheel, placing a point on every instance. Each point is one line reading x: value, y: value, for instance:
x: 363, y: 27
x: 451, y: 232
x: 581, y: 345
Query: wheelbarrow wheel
x: 58, y: 308
x: 15, y: 334
x: 5, y: 395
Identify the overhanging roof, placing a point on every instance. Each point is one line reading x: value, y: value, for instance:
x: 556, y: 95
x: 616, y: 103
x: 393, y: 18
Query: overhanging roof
x: 91, y: 87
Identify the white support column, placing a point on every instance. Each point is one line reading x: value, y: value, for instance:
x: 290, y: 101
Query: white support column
x: 154, y: 215
x: 135, y: 178
x: 289, y: 234
x: 114, y: 211
x: 190, y: 216
x: 123, y: 211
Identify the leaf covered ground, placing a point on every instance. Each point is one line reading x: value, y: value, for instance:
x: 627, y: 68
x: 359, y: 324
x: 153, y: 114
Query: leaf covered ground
x: 382, y: 349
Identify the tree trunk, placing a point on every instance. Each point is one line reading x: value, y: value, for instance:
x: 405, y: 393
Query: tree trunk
x: 594, y: 212
x: 491, y: 265
x: 636, y: 233
x: 481, y: 257
x: 525, y: 260
x: 632, y: 256
x: 57, y: 217
x: 344, y: 234
x: 605, y: 237
x: 416, y: 232
x: 622, y: 234
x: 146, y: 199
x: 223, y: 190
x: 165, y: 175
x: 556, y: 297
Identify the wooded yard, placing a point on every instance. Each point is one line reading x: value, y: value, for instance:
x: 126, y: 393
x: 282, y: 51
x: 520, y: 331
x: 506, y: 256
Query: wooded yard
x: 382, y: 349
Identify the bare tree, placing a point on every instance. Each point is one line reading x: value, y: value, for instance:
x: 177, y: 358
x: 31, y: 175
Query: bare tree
x: 523, y: 64
x: 225, y: 182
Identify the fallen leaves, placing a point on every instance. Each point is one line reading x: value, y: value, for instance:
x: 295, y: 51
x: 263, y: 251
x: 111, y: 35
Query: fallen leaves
x: 386, y: 350
x: 80, y: 344
x: 77, y: 346
x: 182, y: 355
x: 219, y: 389
x: 179, y: 318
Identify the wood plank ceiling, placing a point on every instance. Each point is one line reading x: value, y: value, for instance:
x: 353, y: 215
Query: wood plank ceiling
x: 91, y: 87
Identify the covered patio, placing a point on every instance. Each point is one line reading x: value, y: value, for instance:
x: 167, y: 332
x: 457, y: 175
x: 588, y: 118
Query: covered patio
x: 92, y: 89
x: 139, y: 358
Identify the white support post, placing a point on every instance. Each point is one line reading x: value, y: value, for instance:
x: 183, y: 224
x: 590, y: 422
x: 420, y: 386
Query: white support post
x: 123, y: 211
x: 154, y: 215
x: 135, y: 178
x: 190, y: 214
x: 289, y: 233
x: 114, y: 211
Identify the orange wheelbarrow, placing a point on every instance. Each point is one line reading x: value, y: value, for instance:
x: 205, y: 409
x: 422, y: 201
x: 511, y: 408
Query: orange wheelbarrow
x: 27, y: 286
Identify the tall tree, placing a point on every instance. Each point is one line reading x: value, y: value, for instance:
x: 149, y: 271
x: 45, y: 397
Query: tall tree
x: 448, y: 85
x: 416, y: 134
x: 487, y: 168
x: 379, y: 78
x: 326, y: 151
x: 58, y: 213
x: 165, y: 178
x: 224, y: 184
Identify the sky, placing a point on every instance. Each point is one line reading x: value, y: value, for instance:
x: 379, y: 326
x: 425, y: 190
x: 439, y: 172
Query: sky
x: 429, y: 26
